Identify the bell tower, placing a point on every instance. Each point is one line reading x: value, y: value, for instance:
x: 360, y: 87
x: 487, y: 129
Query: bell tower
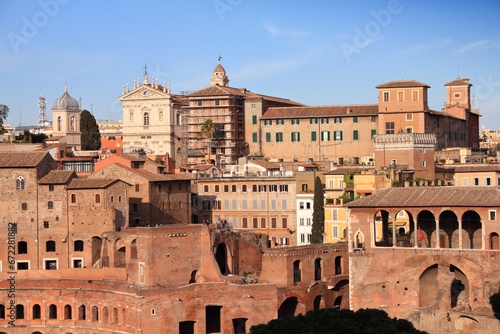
x: 219, y: 76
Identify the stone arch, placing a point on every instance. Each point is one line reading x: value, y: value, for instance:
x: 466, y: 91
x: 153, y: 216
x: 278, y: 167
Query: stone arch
x: 404, y: 227
x: 133, y: 250
x: 448, y: 223
x: 494, y: 240
x: 52, y: 311
x: 96, y: 246
x: 382, y: 229
x: 472, y: 226
x: 288, y: 308
x: 297, y: 271
x: 36, y: 311
x: 105, y: 314
x: 359, y: 240
x: 426, y: 226
x: 318, y: 264
x: 67, y: 312
x: 95, y: 313
x: 467, y: 324
x: 221, y: 256
x: 82, y: 312
x: 429, y: 286
x: 193, y: 277
x: 120, y: 253
x: 337, y: 302
x: 317, y: 303
x: 459, y: 290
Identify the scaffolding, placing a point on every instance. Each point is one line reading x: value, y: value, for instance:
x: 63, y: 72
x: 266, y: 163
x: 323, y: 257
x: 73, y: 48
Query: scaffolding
x: 42, y: 117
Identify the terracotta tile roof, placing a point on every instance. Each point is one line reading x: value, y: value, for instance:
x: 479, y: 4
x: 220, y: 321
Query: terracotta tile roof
x: 349, y: 169
x: 91, y: 183
x: 220, y: 90
x: 402, y: 84
x: 152, y: 177
x: 431, y: 197
x: 260, y: 97
x: 265, y: 164
x: 21, y: 159
x: 321, y: 111
x: 468, y: 168
x: 58, y: 177
x: 130, y: 157
x: 459, y: 82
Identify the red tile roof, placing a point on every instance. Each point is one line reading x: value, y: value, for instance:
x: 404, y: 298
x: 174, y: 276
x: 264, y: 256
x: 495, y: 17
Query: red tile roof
x: 431, y: 197
x: 469, y: 168
x: 402, y: 84
x: 91, y: 183
x: 58, y: 177
x: 321, y: 111
x: 21, y: 159
x: 459, y: 82
x: 217, y: 90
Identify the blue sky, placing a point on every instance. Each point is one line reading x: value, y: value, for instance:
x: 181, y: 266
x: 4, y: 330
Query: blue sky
x: 318, y: 52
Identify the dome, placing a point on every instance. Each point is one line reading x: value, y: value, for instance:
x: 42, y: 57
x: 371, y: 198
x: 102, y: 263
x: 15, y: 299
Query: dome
x: 66, y: 102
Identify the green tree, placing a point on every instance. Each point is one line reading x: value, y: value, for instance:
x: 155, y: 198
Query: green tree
x: 91, y: 137
x: 335, y: 321
x: 4, y: 111
x: 208, y: 129
x: 495, y: 304
x: 318, y: 225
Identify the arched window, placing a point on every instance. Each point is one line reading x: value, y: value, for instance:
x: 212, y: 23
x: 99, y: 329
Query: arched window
x: 20, y: 183
x: 52, y: 311
x: 50, y: 205
x: 37, y: 311
x: 67, y: 312
x: 59, y: 123
x: 50, y: 246
x: 72, y: 123
x: 146, y: 118
x: 297, y: 271
x: 115, y: 316
x: 78, y: 247
x: 95, y: 313
x: 73, y: 198
x: 22, y: 247
x: 98, y: 198
x: 19, y: 311
x: 2, y: 311
x: 105, y: 314
x: 81, y: 313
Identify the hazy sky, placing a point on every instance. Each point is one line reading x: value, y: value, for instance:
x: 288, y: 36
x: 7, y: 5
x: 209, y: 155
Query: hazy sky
x: 315, y: 52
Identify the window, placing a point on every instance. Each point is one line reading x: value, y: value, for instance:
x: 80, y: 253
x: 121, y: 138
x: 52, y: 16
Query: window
x: 284, y: 222
x: 37, y: 313
x: 389, y: 128
x: 464, y: 182
x: 295, y: 136
x: 325, y: 135
x: 262, y: 222
x: 304, y: 188
x: 254, y: 188
x: 295, y: 121
x: 487, y: 181
x: 414, y: 95
x: 476, y: 181
x: 19, y: 311
x: 244, y: 188
x: 492, y: 214
x: 273, y: 222
x: 409, y: 117
x: 268, y: 122
x: 205, y: 188
x: 335, y: 231
x: 20, y: 183
x: 217, y: 102
x: 137, y: 187
x: 313, y: 120
x: 254, y: 204
x: 337, y: 120
x: 217, y: 205
x: 22, y: 247
x: 98, y: 198
x: 279, y: 137
x: 73, y: 198
x: 373, y: 133
x: 424, y: 163
x: 308, y: 221
x: 255, y: 222
x: 283, y: 188
x: 313, y: 135
x: 337, y: 135
x: 52, y: 311
x: 226, y: 188
x: 233, y: 188
x: 234, y: 204
x: 400, y: 96
x: 24, y: 206
x: 301, y: 221
x: 386, y: 96
x: 78, y: 246
x: 50, y: 205
x: 308, y: 205
x: 355, y: 119
x: 280, y: 121
x: 59, y: 122
x: 355, y: 135
x: 51, y: 187
x: 324, y: 120
x: 302, y: 238
x: 456, y: 95
x: 131, y: 118
x: 262, y: 188
x: 283, y: 204
x: 273, y: 188
x: 46, y: 224
x: 254, y: 119
x: 409, y: 129
x: 23, y: 265
x: 200, y: 103
x: 50, y: 246
x: 268, y: 137
x: 254, y: 137
x: 301, y: 205
x: 216, y: 188
x: 244, y: 222
x: 50, y: 264
x: 244, y: 204
x: 146, y: 118
x: 273, y: 204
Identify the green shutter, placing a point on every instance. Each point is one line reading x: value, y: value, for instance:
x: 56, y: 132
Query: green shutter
x: 313, y: 135
x: 268, y: 137
x: 355, y: 135
x: 254, y: 119
x: 374, y: 132
x: 254, y: 137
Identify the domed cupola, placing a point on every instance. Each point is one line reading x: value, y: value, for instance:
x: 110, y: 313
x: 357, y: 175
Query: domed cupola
x: 219, y: 76
x: 66, y: 102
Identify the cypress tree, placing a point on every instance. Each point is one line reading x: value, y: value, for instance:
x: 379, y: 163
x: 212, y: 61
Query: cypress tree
x: 318, y: 225
x: 91, y: 137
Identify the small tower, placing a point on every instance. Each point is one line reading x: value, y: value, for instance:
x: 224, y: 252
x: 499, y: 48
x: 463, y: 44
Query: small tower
x: 458, y: 97
x: 42, y: 117
x: 66, y: 120
x: 219, y: 76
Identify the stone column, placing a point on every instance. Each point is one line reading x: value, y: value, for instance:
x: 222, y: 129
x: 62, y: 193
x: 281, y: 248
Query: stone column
x: 459, y: 234
x: 438, y: 244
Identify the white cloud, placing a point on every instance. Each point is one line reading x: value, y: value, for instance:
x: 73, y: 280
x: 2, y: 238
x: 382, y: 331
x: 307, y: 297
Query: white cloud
x: 478, y: 45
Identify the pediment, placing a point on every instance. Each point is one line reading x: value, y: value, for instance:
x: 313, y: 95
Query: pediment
x: 145, y: 92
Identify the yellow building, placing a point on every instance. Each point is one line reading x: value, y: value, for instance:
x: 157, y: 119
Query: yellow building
x: 336, y: 221
x: 470, y: 175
